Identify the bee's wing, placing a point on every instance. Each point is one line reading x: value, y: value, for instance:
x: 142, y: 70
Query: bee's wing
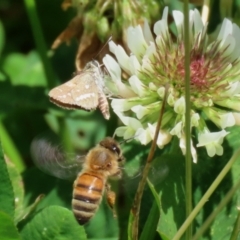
x: 157, y: 173
x: 49, y: 158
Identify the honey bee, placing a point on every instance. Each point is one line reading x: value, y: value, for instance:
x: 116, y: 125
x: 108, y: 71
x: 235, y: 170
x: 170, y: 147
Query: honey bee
x: 101, y: 162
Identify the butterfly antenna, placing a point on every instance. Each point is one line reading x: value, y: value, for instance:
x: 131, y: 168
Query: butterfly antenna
x: 110, y: 38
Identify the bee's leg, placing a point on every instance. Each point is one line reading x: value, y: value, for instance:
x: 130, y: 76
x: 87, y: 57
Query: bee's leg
x: 111, y: 197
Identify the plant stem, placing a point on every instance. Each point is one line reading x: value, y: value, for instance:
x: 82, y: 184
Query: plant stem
x: 138, y: 196
x: 40, y: 42
x: 206, y: 196
x: 220, y: 206
x: 188, y: 165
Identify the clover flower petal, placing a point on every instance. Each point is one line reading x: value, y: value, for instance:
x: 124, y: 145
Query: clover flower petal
x: 121, y: 55
x: 131, y: 126
x: 160, y: 27
x: 221, y: 119
x: 183, y: 148
x: 237, y: 118
x: 147, y: 32
x: 137, y: 47
x: 195, y: 119
x: 115, y: 73
x: 212, y: 141
x: 179, y: 106
x: 140, y: 111
x: 163, y: 137
x: 143, y: 135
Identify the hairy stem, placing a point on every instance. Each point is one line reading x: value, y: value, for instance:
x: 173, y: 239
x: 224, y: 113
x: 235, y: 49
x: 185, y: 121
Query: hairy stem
x: 138, y: 196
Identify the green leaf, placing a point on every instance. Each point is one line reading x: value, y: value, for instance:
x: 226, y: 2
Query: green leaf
x: 25, y: 69
x: 96, y: 228
x: 20, y: 97
x: 56, y: 191
x: 159, y: 176
x: 6, y: 190
x: 18, y: 189
x: 130, y: 225
x: 25, y: 212
x: 8, y: 231
x: 53, y: 222
x: 10, y: 148
x: 155, y: 194
x: 172, y: 195
x: 150, y: 226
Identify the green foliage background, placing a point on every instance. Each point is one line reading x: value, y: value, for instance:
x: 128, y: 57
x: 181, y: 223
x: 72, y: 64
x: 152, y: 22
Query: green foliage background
x: 26, y: 112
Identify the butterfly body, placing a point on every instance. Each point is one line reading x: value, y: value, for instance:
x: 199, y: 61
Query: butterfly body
x: 83, y: 91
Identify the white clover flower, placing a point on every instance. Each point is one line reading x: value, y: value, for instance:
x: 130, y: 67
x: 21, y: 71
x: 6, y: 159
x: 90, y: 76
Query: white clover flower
x: 164, y: 137
x: 212, y: 142
x: 183, y: 148
x: 157, y: 61
x: 237, y: 118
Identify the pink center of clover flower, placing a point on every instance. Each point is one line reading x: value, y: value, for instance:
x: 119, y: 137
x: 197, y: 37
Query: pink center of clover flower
x: 198, y: 73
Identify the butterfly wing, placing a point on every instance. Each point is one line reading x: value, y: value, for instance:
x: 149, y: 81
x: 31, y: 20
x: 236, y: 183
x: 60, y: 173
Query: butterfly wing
x: 85, y: 94
x: 50, y: 159
x: 61, y: 95
x: 79, y: 93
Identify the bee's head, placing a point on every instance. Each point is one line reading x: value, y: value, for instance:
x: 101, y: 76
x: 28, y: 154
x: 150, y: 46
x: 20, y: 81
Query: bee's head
x: 113, y: 146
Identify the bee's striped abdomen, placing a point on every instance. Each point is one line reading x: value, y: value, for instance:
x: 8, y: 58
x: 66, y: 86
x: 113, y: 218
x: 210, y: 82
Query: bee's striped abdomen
x: 87, y: 195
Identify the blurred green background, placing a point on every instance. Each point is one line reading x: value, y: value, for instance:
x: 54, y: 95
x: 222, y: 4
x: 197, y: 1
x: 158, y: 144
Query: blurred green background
x: 29, y: 69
